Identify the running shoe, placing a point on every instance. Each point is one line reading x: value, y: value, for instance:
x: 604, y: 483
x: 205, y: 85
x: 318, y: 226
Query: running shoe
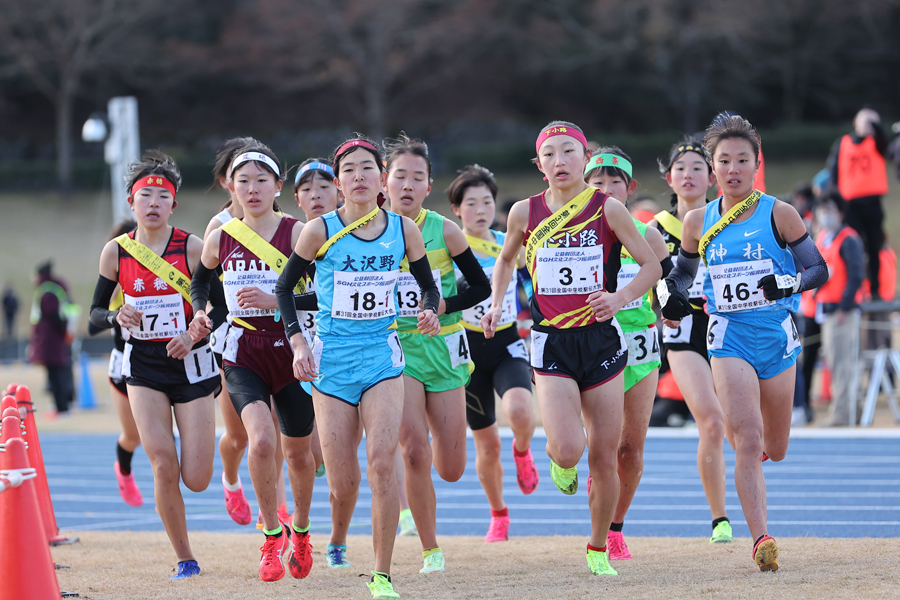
x: 498, y: 531
x: 186, y: 568
x: 765, y: 553
x: 407, y: 524
x: 615, y: 543
x: 598, y: 563
x: 236, y: 504
x: 285, y: 519
x: 765, y: 457
x: 721, y: 533
x: 526, y: 473
x: 271, y: 563
x: 321, y: 470
x: 336, y: 555
x: 301, y: 560
x: 590, y: 481
x: 565, y: 479
x: 381, y: 586
x: 434, y: 563
x: 128, y: 489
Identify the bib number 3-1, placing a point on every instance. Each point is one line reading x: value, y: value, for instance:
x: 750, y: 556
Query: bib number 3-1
x: 563, y: 271
x: 458, y: 345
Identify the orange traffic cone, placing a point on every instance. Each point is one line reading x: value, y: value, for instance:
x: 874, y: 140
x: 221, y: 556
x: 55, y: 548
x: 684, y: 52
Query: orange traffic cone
x: 11, y: 389
x: 9, y: 429
x: 825, y: 385
x: 8, y: 401
x: 25, y: 560
x: 36, y: 458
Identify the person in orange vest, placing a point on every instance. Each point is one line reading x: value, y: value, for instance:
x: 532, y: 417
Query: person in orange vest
x: 859, y: 172
x: 836, y: 307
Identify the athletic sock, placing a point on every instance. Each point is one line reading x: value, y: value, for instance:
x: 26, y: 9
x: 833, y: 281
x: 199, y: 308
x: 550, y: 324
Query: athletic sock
x: 500, y: 513
x: 616, y: 526
x: 299, y: 530
x: 520, y: 454
x: 596, y: 549
x: 427, y: 553
x: 124, y: 457
x: 231, y: 487
x: 274, y: 532
x: 719, y: 520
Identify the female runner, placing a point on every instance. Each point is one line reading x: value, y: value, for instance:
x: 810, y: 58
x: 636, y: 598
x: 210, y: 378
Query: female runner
x: 437, y: 369
x: 751, y: 244
x: 690, y: 175
x: 257, y: 361
x: 356, y: 360
x: 234, y: 441
x: 501, y: 363
x: 578, y: 351
x: 610, y: 171
x: 164, y: 370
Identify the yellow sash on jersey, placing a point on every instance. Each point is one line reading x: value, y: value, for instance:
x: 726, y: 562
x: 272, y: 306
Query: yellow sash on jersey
x: 726, y: 220
x: 352, y: 226
x: 118, y: 301
x: 484, y: 246
x: 554, y: 223
x: 669, y: 222
x: 269, y: 254
x: 157, y: 265
x: 420, y: 218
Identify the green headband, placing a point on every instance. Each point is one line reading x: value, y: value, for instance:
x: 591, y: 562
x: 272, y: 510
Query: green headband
x: 609, y: 160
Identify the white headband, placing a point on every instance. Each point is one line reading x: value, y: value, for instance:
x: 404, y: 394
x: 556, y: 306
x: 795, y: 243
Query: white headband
x: 254, y: 157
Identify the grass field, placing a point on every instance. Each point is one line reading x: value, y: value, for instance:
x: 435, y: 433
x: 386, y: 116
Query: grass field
x: 107, y: 566
x: 72, y: 232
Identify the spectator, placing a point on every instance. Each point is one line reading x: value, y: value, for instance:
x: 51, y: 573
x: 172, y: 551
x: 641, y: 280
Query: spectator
x: 51, y: 313
x: 858, y: 171
x: 836, y: 307
x: 893, y: 152
x: 10, y: 308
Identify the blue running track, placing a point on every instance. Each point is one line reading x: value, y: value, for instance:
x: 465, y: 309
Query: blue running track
x: 837, y: 486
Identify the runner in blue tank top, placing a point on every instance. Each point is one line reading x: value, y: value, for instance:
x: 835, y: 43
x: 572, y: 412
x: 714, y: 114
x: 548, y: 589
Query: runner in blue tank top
x: 356, y: 359
x: 750, y: 243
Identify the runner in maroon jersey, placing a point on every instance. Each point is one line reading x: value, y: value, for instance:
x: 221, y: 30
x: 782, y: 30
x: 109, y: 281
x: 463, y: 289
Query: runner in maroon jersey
x: 165, y: 371
x: 572, y: 235
x: 257, y: 355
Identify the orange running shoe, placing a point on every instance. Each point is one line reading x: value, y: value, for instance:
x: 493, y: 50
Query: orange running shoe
x: 271, y: 564
x: 301, y: 560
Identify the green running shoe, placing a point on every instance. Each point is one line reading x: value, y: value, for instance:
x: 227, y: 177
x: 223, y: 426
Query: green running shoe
x: 721, y: 533
x: 565, y: 479
x: 434, y: 563
x: 381, y: 586
x: 321, y: 470
x: 407, y: 524
x: 598, y: 563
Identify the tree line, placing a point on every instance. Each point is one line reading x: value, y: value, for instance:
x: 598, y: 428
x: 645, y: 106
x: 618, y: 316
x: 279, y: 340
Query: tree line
x: 474, y: 69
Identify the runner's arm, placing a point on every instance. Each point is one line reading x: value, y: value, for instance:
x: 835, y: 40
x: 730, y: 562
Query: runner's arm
x: 814, y: 271
x: 479, y: 287
x: 622, y: 225
x: 516, y: 225
x: 100, y: 315
x: 658, y: 245
x: 312, y: 237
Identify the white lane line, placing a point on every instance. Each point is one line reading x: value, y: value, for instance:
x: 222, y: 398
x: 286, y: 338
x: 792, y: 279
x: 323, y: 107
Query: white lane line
x: 483, y: 521
x: 798, y: 433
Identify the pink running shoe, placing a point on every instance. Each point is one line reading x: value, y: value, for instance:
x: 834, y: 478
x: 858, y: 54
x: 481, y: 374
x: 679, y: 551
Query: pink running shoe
x: 499, y: 530
x: 615, y: 542
x: 128, y: 489
x: 590, y: 481
x: 526, y: 473
x: 236, y: 504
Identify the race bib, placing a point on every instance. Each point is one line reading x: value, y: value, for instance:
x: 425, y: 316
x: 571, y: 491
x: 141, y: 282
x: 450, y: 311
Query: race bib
x: 715, y: 333
x: 163, y: 316
x: 518, y: 350
x: 793, y: 337
x: 538, y: 340
x: 473, y: 315
x: 308, y: 317
x: 627, y: 273
x: 233, y: 281
x: 200, y: 364
x: 562, y: 271
x: 217, y: 338
x: 681, y: 334
x: 408, y: 293
x: 116, y: 359
x: 458, y: 345
x: 317, y: 347
x: 643, y: 346
x: 362, y: 296
x: 397, y: 359
x: 126, y: 361
x: 735, y: 284
x: 230, y: 351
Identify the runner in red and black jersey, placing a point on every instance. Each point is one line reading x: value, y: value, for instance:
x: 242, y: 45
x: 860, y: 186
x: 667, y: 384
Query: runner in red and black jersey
x: 572, y: 235
x: 165, y: 371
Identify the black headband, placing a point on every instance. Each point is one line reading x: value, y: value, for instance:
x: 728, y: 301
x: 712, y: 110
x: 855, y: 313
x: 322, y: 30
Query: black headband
x: 688, y: 147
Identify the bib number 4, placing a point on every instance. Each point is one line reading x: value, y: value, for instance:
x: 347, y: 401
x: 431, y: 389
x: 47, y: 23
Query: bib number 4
x: 458, y: 345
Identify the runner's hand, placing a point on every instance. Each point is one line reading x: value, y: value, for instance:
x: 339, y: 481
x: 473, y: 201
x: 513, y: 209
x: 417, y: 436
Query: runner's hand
x: 429, y: 323
x: 671, y: 324
x: 128, y: 317
x: 489, y: 322
x: 200, y: 327
x: 304, y: 363
x: 605, y: 305
x: 677, y: 306
x: 253, y: 297
x: 772, y: 289
x: 180, y: 345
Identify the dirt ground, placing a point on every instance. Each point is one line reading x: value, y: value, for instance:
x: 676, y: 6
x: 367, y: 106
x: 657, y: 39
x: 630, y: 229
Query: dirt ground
x: 107, y: 565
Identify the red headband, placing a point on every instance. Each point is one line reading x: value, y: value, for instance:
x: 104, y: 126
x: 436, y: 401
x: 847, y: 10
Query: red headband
x: 558, y: 130
x: 350, y: 144
x: 153, y: 181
